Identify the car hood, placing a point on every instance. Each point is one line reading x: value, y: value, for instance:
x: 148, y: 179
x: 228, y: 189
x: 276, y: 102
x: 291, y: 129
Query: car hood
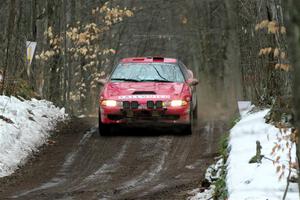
x: 116, y: 89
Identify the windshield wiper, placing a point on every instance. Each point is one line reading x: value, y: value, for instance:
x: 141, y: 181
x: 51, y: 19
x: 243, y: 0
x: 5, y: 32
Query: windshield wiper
x: 159, y: 73
x: 125, y: 79
x: 157, y: 80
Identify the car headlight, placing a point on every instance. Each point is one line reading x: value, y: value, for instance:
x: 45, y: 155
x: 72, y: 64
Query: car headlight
x: 109, y: 103
x: 178, y: 103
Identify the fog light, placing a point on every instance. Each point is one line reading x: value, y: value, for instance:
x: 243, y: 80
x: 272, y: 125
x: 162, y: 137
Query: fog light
x: 134, y: 105
x: 126, y: 105
x: 150, y: 104
x: 159, y: 104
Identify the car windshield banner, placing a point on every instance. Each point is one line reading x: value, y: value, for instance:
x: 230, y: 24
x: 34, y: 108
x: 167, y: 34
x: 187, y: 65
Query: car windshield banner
x: 144, y: 97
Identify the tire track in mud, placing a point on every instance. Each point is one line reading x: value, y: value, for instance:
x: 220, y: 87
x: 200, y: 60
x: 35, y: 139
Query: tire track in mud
x: 102, y: 174
x: 153, y: 170
x: 185, y: 164
x: 158, y: 178
x: 63, y: 172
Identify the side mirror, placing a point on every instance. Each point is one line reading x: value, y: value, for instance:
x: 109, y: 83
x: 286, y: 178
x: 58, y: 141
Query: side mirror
x: 102, y: 81
x: 193, y: 82
x: 190, y: 73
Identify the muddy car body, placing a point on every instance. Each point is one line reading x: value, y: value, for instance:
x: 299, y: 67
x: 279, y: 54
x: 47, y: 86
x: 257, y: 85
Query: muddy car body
x: 148, y: 91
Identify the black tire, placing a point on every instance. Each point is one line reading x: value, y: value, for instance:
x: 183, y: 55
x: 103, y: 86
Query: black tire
x: 103, y: 129
x: 195, y: 112
x: 188, y: 128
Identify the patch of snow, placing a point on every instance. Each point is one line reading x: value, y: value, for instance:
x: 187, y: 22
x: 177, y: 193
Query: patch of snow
x: 190, y: 167
x: 212, y: 174
x: 244, y: 106
x: 196, y: 194
x: 256, y: 181
x: 24, y: 126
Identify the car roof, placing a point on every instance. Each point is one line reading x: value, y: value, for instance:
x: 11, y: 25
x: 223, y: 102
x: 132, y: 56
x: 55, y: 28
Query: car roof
x: 149, y: 60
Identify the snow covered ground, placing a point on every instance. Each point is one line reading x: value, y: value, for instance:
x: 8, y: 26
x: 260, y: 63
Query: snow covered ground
x: 24, y: 126
x: 257, y: 181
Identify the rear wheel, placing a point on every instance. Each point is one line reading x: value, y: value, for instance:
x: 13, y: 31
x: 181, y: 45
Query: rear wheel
x: 103, y: 129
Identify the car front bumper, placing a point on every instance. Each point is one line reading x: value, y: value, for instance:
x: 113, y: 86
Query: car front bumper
x: 141, y: 117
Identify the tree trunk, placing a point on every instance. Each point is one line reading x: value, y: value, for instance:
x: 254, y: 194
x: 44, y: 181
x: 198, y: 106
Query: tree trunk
x: 293, y: 18
x: 9, y: 34
x: 54, y: 63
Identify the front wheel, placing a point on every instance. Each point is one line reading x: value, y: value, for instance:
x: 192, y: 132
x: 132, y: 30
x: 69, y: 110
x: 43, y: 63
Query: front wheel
x: 187, y: 129
x: 103, y: 129
x: 195, y: 112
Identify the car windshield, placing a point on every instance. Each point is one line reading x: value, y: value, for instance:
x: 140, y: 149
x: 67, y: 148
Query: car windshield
x: 148, y: 72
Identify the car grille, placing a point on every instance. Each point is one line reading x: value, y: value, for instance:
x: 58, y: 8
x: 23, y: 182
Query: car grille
x: 143, y: 115
x: 135, y: 105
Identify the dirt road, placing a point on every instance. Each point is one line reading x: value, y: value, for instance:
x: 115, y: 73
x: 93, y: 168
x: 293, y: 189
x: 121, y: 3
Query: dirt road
x: 146, y: 164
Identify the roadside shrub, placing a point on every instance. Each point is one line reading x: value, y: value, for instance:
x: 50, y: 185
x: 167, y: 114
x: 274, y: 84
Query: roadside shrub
x: 19, y: 88
x: 220, y: 191
x: 223, y: 149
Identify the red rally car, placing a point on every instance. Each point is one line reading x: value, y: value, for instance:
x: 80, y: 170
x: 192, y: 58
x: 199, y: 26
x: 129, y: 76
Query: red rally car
x: 148, y: 91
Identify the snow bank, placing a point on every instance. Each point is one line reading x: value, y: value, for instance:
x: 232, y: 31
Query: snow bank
x: 256, y: 181
x: 24, y: 126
